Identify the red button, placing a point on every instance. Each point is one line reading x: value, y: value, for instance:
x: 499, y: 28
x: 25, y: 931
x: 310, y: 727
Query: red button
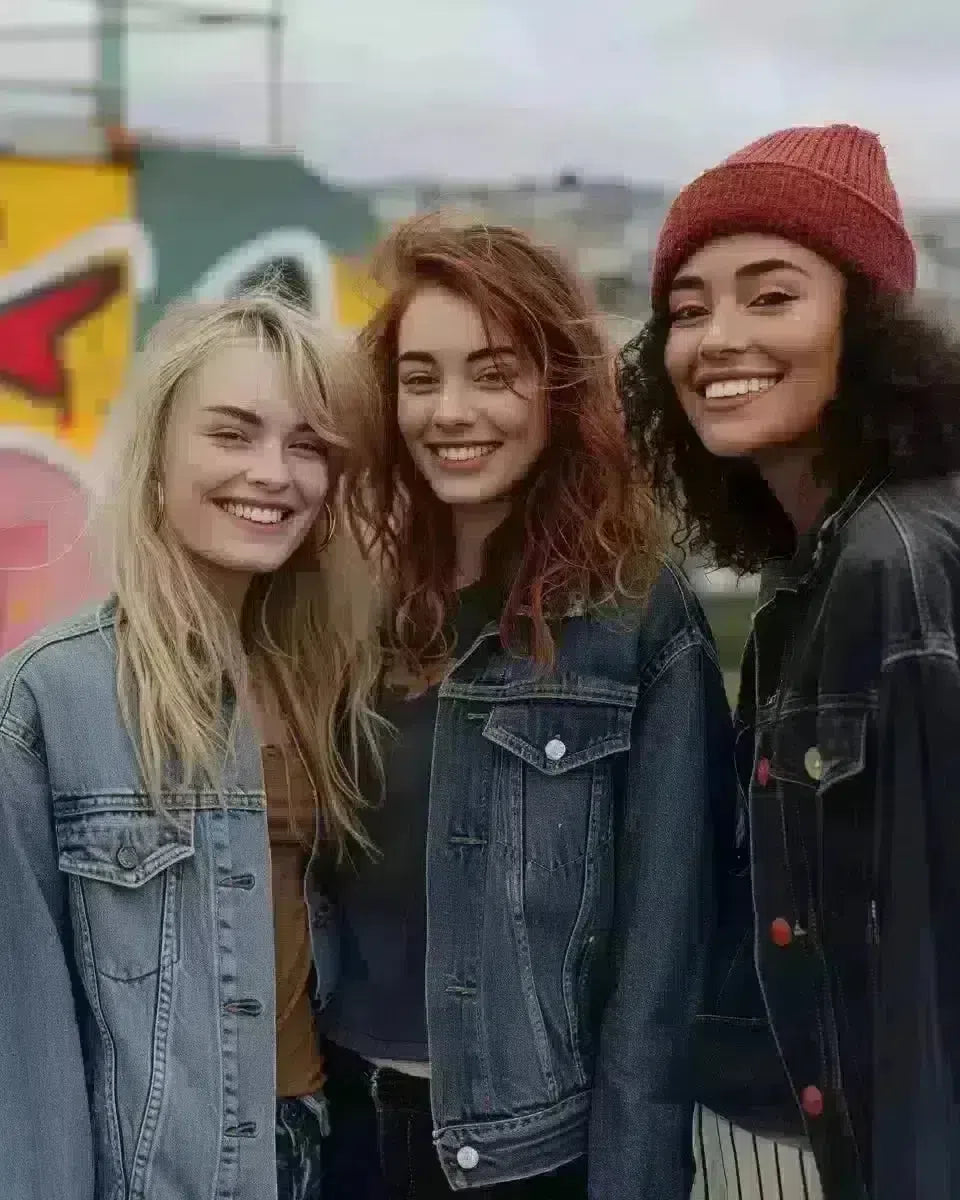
x: 781, y: 933
x: 763, y: 772
x: 811, y: 1101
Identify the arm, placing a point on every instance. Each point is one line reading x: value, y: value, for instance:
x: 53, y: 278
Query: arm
x: 680, y: 784
x: 916, y: 1102
x: 46, y: 1146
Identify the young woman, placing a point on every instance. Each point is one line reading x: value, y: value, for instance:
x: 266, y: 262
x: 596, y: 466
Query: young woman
x: 163, y: 761
x: 805, y: 419
x: 521, y: 967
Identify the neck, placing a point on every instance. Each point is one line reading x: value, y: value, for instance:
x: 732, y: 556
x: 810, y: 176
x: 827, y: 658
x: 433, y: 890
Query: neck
x: 789, y: 475
x: 229, y: 587
x: 472, y: 525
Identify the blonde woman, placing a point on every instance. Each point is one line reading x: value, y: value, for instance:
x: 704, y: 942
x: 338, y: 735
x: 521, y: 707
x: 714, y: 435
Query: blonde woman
x: 173, y: 770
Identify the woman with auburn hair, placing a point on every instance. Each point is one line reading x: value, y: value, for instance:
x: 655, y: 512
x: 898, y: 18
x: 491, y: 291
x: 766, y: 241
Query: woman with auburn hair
x: 521, y: 968
x: 804, y: 416
x: 168, y: 765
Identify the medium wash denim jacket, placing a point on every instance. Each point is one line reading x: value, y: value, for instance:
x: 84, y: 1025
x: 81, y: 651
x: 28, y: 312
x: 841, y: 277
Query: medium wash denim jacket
x: 569, y: 897
x: 137, y: 1015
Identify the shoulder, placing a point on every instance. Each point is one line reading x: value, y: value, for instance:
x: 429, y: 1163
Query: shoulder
x: 647, y: 633
x: 900, y: 557
x: 74, y: 658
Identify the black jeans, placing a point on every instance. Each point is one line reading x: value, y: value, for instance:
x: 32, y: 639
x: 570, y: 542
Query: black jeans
x: 381, y: 1148
x: 301, y: 1126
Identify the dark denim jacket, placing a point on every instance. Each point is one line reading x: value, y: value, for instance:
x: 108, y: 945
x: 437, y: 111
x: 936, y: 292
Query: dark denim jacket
x: 570, y: 895
x: 851, y: 712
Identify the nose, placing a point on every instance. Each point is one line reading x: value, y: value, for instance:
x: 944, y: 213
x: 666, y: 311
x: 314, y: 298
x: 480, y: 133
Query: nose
x: 453, y: 409
x: 269, y: 467
x: 725, y: 334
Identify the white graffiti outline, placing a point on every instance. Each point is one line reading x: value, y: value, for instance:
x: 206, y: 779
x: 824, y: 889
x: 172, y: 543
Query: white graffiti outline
x: 306, y: 247
x: 105, y: 241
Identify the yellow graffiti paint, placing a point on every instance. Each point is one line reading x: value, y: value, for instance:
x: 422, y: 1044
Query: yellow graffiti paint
x: 356, y: 296
x: 50, y: 217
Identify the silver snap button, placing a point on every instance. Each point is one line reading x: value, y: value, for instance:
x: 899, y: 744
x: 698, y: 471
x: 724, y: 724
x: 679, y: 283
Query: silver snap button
x: 128, y: 858
x: 554, y: 749
x: 467, y: 1158
x: 813, y: 763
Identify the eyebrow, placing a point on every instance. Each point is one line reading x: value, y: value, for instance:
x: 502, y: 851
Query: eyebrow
x: 421, y: 356
x: 247, y: 417
x: 750, y: 271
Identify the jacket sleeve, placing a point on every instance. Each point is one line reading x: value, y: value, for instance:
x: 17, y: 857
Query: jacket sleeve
x: 45, y: 1132
x: 916, y: 1102
x: 680, y: 784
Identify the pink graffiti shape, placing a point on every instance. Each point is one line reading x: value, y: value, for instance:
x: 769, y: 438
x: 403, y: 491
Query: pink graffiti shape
x: 33, y: 324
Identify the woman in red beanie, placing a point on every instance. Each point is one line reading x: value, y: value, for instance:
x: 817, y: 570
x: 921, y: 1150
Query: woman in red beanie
x: 805, y: 421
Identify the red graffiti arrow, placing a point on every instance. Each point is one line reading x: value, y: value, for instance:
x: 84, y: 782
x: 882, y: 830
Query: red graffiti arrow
x: 32, y: 326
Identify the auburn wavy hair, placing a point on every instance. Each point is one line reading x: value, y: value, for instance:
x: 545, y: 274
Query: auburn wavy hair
x: 584, y: 528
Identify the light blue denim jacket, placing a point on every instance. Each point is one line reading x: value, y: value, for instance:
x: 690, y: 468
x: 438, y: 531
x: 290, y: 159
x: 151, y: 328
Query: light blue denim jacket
x: 137, y: 1023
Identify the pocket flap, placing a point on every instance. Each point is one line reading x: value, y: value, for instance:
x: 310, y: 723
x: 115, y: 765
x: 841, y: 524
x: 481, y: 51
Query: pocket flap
x: 123, y: 848
x: 820, y: 749
x: 555, y: 736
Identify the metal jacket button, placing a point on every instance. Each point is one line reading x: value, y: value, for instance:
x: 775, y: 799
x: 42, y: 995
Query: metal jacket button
x: 128, y: 858
x: 780, y: 932
x: 467, y: 1158
x: 813, y: 763
x: 811, y: 1101
x: 763, y: 771
x: 554, y: 749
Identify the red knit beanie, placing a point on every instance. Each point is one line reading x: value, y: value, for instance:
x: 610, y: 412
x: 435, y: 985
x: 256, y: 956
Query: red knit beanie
x: 826, y: 187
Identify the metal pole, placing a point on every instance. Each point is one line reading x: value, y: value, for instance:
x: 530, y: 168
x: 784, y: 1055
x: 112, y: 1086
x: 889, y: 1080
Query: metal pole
x: 275, y: 75
x: 111, y: 88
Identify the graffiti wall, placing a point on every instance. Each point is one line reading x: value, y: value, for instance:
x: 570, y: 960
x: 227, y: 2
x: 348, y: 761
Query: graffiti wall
x: 90, y: 254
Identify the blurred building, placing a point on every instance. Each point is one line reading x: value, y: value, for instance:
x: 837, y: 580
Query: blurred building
x: 608, y: 229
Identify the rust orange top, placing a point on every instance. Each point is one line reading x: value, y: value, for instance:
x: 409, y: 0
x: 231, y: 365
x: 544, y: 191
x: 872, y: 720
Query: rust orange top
x: 291, y: 818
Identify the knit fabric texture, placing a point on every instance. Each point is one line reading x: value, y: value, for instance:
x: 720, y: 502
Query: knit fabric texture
x: 824, y: 187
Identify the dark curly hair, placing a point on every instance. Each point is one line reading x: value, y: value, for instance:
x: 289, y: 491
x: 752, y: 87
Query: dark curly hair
x: 897, y: 409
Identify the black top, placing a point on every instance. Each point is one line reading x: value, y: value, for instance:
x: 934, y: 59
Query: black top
x: 379, y: 1009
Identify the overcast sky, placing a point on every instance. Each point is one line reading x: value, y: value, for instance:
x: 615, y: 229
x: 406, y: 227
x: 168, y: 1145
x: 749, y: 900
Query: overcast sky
x: 488, y: 89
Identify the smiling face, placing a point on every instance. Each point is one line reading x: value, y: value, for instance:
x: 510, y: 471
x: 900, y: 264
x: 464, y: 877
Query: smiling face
x: 472, y: 414
x: 754, y: 344
x: 244, y: 476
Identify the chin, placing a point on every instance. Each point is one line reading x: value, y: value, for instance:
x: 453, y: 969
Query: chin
x: 251, y: 564
x: 731, y: 442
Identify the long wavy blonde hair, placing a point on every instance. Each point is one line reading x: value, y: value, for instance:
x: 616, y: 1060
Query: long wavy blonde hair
x: 308, y: 629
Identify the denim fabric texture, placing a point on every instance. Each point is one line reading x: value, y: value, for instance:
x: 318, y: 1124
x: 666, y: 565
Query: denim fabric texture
x: 302, y: 1127
x: 570, y: 895
x: 850, y: 711
x: 137, y: 1022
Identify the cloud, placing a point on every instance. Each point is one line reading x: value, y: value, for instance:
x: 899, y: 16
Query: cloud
x: 655, y: 90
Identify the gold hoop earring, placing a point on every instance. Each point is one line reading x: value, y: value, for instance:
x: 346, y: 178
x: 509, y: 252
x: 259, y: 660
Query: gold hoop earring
x: 331, y: 527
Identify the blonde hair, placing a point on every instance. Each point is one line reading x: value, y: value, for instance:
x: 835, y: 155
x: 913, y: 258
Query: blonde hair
x: 310, y: 628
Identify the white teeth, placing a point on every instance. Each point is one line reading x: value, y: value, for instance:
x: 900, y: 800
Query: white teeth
x: 462, y: 453
x: 260, y: 516
x: 738, y: 387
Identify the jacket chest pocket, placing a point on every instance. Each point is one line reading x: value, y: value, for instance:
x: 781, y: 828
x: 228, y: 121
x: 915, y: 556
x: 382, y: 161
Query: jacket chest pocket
x: 816, y: 748
x: 125, y: 870
x: 557, y: 773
